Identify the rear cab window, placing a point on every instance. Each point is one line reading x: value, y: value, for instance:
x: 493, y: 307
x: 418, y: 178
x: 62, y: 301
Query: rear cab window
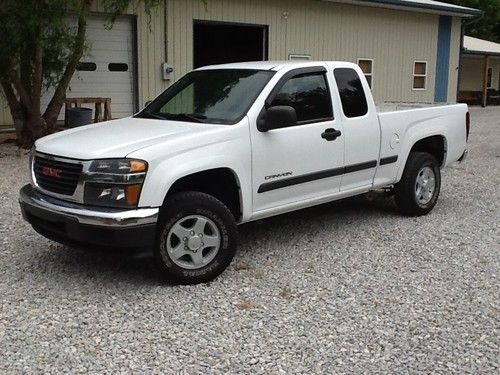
x: 352, y: 94
x: 309, y: 95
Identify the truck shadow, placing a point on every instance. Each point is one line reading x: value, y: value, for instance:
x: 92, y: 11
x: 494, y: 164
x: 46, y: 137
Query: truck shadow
x: 337, y: 213
x: 112, y: 266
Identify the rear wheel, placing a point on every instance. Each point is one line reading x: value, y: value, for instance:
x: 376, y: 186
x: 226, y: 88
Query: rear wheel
x: 418, y: 191
x: 196, y: 238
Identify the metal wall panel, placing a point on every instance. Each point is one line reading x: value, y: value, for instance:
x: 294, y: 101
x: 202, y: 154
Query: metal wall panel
x: 323, y: 30
x: 456, y: 31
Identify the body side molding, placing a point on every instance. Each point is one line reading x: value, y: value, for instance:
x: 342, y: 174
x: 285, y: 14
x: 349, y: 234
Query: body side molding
x: 389, y: 160
x: 273, y: 185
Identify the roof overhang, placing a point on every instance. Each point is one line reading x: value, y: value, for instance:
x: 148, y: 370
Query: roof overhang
x: 422, y: 6
x: 476, y: 46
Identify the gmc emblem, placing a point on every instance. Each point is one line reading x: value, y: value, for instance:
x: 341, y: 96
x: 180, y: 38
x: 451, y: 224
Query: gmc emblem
x: 51, y: 172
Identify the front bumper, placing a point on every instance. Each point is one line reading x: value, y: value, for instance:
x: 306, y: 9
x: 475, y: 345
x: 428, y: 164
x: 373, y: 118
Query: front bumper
x: 75, y: 224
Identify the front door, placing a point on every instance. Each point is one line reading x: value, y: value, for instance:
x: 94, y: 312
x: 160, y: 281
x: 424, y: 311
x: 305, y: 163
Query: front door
x: 303, y: 161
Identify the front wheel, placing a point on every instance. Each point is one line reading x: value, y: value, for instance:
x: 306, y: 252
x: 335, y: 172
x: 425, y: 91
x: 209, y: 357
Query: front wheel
x: 417, y: 192
x: 196, y: 238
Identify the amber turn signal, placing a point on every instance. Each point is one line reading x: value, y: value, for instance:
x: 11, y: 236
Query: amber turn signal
x: 132, y: 193
x: 137, y: 166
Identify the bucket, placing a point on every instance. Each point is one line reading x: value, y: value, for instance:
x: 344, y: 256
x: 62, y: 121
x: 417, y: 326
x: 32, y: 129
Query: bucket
x: 79, y: 116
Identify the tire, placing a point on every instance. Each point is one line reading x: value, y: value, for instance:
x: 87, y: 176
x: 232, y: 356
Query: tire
x: 412, y: 193
x: 196, y: 238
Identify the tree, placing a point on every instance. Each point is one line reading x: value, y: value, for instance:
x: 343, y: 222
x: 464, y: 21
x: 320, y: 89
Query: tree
x: 40, y: 47
x: 488, y: 26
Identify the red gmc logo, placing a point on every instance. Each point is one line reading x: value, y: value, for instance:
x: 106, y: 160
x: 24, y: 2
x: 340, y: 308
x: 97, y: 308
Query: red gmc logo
x: 52, y: 172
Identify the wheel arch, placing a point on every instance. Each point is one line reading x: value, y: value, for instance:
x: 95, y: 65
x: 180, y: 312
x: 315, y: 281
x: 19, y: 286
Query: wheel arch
x: 435, y: 145
x: 223, y: 183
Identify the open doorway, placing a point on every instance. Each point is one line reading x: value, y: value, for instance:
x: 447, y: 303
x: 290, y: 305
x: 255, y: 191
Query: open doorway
x: 221, y: 42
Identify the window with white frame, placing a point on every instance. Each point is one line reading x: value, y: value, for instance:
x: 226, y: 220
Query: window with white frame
x: 366, y: 66
x: 419, y: 75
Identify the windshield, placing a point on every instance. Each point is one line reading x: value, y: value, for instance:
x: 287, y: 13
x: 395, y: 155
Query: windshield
x: 220, y: 96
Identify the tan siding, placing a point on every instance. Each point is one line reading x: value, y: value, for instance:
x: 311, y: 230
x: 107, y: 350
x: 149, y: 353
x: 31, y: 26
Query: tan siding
x: 472, y: 70
x: 454, y: 59
x: 326, y: 31
x: 150, y: 52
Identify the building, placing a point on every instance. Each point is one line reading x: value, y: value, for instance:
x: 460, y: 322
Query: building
x: 409, y: 49
x: 480, y: 72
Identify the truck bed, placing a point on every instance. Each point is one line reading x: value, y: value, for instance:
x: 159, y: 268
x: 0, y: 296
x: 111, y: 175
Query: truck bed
x: 400, y: 106
x: 402, y: 125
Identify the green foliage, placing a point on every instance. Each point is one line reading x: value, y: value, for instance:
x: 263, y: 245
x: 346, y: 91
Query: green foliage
x: 41, y: 42
x: 51, y: 23
x: 23, y: 24
x: 488, y: 27
x: 116, y: 7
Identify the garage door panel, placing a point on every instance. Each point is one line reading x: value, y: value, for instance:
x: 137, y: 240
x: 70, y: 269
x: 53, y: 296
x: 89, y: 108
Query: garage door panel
x: 106, y: 56
x: 109, y: 37
x: 97, y: 26
x: 114, y: 92
x: 106, y: 46
x: 100, y: 77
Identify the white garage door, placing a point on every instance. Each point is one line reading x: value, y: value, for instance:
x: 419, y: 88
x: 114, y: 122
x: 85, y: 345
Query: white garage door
x: 107, y: 69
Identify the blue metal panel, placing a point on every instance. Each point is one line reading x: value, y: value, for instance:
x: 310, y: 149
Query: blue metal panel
x: 443, y: 59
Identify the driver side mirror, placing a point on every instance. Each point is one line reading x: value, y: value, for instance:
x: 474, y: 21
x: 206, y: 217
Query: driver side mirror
x: 281, y: 116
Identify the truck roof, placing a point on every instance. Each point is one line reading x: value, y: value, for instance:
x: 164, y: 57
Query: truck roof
x: 271, y: 65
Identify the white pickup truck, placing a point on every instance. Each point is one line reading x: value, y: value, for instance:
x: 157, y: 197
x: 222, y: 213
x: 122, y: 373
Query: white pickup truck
x: 229, y: 144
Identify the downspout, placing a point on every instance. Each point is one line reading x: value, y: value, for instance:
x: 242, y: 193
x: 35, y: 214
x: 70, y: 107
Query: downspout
x: 460, y: 55
x: 165, y: 21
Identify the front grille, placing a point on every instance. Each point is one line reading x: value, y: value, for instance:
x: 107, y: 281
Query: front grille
x: 57, y: 176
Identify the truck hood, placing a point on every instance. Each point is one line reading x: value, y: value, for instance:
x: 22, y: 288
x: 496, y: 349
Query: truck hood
x: 118, y: 138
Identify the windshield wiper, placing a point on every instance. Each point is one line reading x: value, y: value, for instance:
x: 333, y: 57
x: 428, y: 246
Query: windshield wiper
x: 150, y: 115
x: 174, y: 116
x: 190, y: 116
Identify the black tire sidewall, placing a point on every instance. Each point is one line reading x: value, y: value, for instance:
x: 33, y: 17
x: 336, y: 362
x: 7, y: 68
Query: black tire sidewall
x: 405, y: 190
x: 194, y: 203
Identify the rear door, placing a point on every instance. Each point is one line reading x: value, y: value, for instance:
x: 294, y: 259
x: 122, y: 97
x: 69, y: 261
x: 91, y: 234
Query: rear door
x: 361, y: 129
x: 298, y: 163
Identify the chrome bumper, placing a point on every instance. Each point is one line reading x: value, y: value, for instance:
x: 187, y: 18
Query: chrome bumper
x: 95, y: 216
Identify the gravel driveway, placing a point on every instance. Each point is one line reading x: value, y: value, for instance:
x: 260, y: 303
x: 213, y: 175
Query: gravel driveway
x: 348, y: 287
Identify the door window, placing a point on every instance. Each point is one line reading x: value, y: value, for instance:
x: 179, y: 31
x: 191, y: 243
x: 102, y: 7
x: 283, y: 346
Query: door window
x: 309, y: 95
x: 351, y: 92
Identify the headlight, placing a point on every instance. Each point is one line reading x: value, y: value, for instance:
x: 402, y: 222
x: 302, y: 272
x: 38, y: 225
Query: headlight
x: 113, y: 195
x: 118, y: 166
x: 115, y: 182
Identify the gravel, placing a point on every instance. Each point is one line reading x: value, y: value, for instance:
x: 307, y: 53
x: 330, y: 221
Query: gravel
x: 348, y: 287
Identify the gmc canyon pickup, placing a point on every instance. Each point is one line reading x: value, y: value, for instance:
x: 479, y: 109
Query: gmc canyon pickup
x: 229, y: 144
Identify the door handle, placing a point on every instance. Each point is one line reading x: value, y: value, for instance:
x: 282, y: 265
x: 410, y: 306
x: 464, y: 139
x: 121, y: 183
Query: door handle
x: 331, y: 134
